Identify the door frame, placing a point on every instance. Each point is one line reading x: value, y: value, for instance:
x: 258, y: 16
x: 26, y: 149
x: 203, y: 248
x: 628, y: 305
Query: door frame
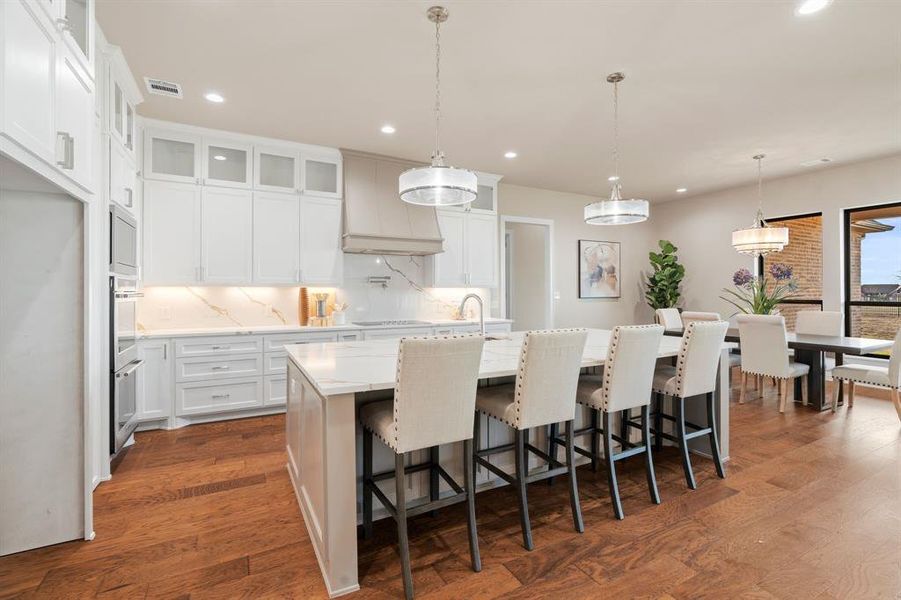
x: 548, y: 225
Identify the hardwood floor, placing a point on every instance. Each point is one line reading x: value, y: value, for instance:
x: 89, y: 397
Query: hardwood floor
x: 810, y: 509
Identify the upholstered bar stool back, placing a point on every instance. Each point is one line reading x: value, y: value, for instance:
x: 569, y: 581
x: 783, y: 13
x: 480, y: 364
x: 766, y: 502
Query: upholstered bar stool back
x: 669, y: 318
x: 435, y: 395
x: 699, y: 356
x: 690, y: 317
x: 819, y: 322
x: 629, y: 368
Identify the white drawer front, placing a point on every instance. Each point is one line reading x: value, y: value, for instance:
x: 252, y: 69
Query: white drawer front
x: 214, y: 367
x: 235, y: 344
x: 387, y: 334
x: 350, y: 336
x: 276, y: 343
x: 275, y: 391
x: 213, y: 397
x: 497, y: 328
x: 275, y: 362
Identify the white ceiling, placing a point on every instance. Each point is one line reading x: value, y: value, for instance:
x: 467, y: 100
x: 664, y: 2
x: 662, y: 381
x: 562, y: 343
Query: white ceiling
x: 708, y: 84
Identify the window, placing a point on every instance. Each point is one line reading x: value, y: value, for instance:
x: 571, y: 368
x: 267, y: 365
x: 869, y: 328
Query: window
x: 804, y: 254
x: 873, y: 271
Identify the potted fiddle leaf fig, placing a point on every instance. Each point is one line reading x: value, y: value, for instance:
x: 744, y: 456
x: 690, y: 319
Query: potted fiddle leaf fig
x: 662, y: 285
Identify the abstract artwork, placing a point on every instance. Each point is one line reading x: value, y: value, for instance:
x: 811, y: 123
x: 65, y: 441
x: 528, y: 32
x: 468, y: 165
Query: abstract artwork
x: 599, y: 264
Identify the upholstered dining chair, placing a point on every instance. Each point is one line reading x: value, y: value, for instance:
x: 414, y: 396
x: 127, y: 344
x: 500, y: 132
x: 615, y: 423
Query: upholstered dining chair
x: 669, y: 318
x: 886, y: 377
x: 819, y: 322
x: 624, y: 384
x: 693, y: 375
x: 689, y: 316
x: 434, y: 402
x: 764, y: 352
x: 543, y: 393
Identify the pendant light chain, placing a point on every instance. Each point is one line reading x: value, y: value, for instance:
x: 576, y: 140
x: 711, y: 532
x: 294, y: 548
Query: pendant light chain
x: 437, y: 157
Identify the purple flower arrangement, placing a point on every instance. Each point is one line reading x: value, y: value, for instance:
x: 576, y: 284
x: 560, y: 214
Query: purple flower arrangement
x: 752, y: 295
x: 742, y: 277
x: 780, y: 271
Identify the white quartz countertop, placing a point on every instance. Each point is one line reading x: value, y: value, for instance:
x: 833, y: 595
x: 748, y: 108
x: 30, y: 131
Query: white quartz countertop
x: 349, y: 367
x: 275, y: 329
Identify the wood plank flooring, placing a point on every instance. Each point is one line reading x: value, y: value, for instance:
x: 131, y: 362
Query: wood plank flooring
x: 811, y: 508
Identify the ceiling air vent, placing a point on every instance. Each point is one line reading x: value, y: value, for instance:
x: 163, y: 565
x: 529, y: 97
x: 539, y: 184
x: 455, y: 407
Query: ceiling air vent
x: 163, y: 88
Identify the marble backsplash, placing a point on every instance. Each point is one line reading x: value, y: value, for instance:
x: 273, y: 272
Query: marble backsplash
x: 402, y: 297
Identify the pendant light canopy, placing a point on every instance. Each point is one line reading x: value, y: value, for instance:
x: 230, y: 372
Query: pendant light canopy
x: 438, y: 184
x: 760, y: 239
x: 616, y: 210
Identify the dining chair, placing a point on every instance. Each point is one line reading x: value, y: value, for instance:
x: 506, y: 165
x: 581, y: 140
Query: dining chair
x: 819, y: 322
x: 434, y: 402
x: 624, y: 384
x: 693, y: 375
x: 689, y: 316
x: 764, y: 352
x: 888, y: 377
x: 669, y: 318
x: 544, y: 393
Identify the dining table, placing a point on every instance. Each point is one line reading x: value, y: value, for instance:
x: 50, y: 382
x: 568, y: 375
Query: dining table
x: 811, y: 350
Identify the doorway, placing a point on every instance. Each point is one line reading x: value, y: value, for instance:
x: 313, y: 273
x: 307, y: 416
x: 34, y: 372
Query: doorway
x: 527, y: 272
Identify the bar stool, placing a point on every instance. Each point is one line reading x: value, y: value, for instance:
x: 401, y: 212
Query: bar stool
x: 694, y: 375
x: 434, y: 400
x: 889, y: 377
x: 544, y: 393
x: 764, y: 351
x: 625, y: 384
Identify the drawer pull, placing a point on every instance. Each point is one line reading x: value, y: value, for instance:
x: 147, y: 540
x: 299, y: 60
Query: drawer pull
x: 220, y: 368
x: 221, y: 347
x: 221, y: 395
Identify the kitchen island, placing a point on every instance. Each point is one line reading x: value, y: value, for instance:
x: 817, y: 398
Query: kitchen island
x: 326, y: 385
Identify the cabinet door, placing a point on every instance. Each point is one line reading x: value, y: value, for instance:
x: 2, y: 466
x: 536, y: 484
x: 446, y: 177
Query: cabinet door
x: 29, y: 79
x: 481, y: 246
x: 155, y: 389
x: 321, y: 257
x: 77, y: 31
x: 122, y: 177
x: 171, y: 156
x: 171, y: 233
x: 449, y: 267
x: 276, y: 169
x: 226, y: 236
x: 227, y: 164
x: 75, y: 121
x: 276, y: 231
x: 321, y: 175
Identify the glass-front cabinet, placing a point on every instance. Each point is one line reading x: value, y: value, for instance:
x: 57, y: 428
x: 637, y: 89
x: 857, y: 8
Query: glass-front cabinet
x: 227, y: 164
x: 172, y: 156
x: 321, y: 175
x: 276, y: 169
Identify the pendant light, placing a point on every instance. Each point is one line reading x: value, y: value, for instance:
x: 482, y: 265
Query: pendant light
x: 616, y: 210
x: 438, y: 184
x: 760, y: 239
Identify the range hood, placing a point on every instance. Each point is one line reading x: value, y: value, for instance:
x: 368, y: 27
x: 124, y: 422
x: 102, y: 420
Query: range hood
x: 376, y: 221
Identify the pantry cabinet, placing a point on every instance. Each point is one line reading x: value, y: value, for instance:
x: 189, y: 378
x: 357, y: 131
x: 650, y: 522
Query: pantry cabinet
x: 470, y: 250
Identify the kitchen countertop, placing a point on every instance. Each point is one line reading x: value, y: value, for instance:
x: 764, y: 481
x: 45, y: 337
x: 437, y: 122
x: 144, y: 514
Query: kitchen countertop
x: 276, y: 329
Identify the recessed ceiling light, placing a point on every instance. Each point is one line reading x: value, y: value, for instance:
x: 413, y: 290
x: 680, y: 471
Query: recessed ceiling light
x: 613, y: 178
x: 219, y: 157
x: 681, y: 190
x: 816, y: 162
x: 388, y: 129
x: 808, y: 7
x: 510, y: 154
x: 214, y: 97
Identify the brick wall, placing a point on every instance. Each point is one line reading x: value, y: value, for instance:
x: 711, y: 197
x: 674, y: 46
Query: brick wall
x: 804, y: 254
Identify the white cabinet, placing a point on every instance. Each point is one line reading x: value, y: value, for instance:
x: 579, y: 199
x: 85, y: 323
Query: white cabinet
x: 122, y: 177
x: 28, y: 78
x: 321, y: 175
x: 276, y: 238
x: 395, y: 333
x: 74, y: 120
x: 210, y: 397
x: 275, y: 391
x: 77, y: 28
x: 226, y: 236
x: 227, y: 164
x: 276, y: 169
x: 172, y: 156
x: 217, y: 346
x: 122, y: 117
x: 470, y: 250
x: 154, y: 380
x: 171, y: 233
x: 321, y: 257
x: 201, y: 368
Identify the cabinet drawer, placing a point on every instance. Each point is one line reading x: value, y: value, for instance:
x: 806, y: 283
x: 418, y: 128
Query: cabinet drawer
x: 213, y: 397
x: 350, y: 336
x: 456, y: 329
x: 276, y: 343
x: 212, y: 367
x: 497, y: 328
x: 275, y: 362
x: 389, y: 334
x: 275, y: 391
x: 221, y: 345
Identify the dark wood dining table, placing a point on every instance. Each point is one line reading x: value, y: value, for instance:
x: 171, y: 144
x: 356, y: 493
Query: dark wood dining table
x: 811, y: 350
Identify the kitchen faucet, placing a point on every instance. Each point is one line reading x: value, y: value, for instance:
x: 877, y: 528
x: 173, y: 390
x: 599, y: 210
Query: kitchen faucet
x: 481, y: 310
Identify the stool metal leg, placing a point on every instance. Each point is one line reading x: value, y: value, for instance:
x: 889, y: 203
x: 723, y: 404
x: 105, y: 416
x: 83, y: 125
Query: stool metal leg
x: 658, y: 422
x: 367, y: 475
x: 402, y: 541
x: 470, y: 489
x: 624, y: 416
x: 595, y: 440
x: 573, y: 485
x: 714, y: 438
x: 552, y: 446
x: 683, y: 443
x: 521, y: 474
x: 435, y: 459
x: 611, y: 468
x: 648, y: 458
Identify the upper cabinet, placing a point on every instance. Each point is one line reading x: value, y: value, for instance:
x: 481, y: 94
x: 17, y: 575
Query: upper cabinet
x: 470, y: 254
x: 276, y: 169
x: 75, y: 120
x: 227, y: 164
x: 321, y: 175
x: 172, y: 156
x: 77, y: 27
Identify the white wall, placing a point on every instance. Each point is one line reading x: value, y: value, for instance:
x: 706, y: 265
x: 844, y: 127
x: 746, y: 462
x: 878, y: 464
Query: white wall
x: 702, y: 226
x: 527, y: 275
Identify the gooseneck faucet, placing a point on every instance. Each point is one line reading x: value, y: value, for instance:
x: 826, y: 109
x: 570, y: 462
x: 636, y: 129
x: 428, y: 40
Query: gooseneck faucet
x: 481, y: 310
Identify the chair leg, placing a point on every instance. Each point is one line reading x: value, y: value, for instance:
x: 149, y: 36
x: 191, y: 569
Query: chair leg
x: 624, y: 416
x: 804, y: 390
x: 714, y: 437
x: 683, y: 443
x: 521, y: 473
x: 836, y: 387
x: 851, y: 390
x: 573, y: 484
x: 595, y: 440
x: 783, y: 394
x: 435, y: 459
x: 611, y: 467
x: 470, y: 489
x: 744, y: 384
x: 402, y: 541
x: 896, y: 400
x: 658, y: 422
x: 648, y: 458
x: 551, y: 446
x: 367, y: 475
